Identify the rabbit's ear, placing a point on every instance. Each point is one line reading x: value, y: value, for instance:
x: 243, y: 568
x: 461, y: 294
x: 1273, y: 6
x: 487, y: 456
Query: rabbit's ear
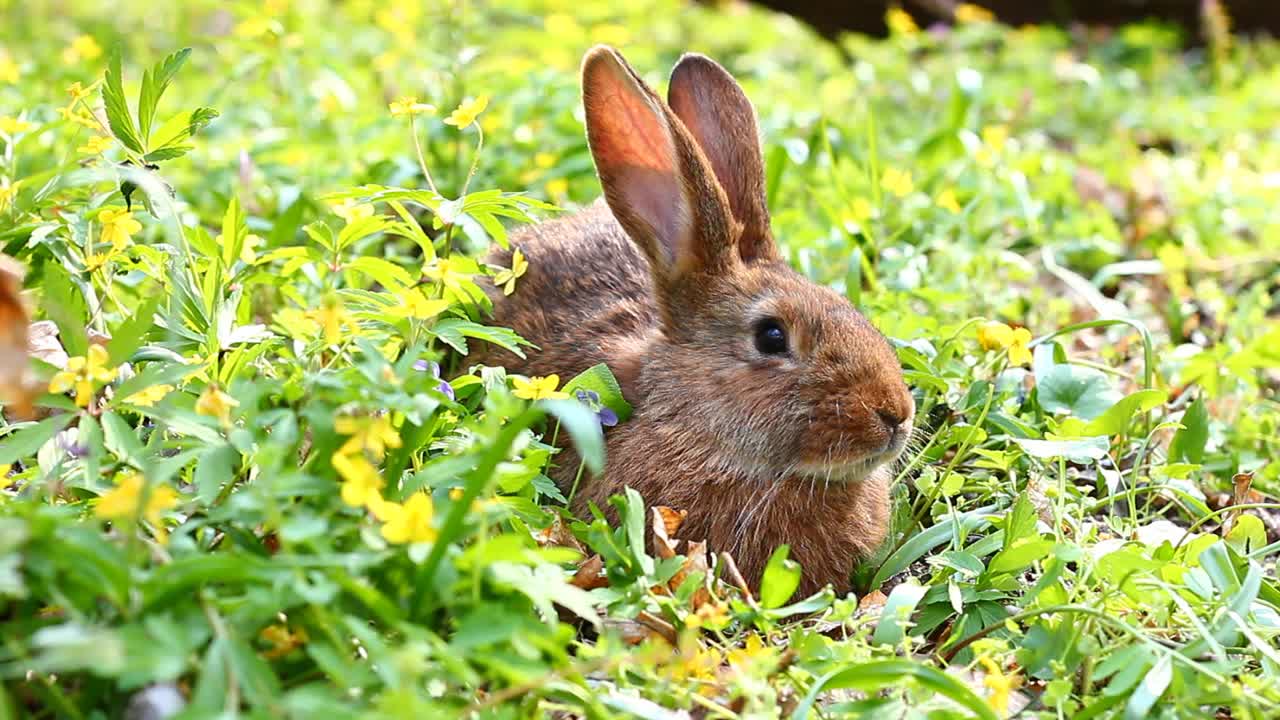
x: 656, y: 181
x: 718, y: 114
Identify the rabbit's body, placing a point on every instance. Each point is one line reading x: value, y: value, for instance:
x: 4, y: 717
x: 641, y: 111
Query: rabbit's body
x: 766, y: 407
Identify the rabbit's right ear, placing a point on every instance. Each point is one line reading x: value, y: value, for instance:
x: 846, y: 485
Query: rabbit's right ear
x: 656, y: 180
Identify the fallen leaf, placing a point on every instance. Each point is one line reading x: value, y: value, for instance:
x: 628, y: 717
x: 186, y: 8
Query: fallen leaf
x: 590, y: 574
x: 872, y: 603
x: 43, y: 344
x: 663, y: 545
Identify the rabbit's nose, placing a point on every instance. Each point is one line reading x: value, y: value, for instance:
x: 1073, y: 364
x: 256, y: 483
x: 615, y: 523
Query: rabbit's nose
x: 891, y: 418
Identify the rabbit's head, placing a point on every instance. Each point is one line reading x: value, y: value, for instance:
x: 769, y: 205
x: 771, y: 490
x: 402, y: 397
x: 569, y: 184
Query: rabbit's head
x: 781, y: 377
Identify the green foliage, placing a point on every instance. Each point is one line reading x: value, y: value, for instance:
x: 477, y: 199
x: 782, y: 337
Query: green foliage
x: 275, y: 483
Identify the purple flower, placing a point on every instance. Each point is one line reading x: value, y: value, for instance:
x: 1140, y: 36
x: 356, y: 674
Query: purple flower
x: 604, y: 414
x: 444, y: 388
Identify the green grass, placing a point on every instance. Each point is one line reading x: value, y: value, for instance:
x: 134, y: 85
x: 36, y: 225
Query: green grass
x: 1091, y: 532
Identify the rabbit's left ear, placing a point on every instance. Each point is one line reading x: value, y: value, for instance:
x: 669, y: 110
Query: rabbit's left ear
x: 713, y: 108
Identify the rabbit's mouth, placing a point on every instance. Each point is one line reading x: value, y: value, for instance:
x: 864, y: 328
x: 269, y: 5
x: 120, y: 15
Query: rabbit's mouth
x: 853, y: 470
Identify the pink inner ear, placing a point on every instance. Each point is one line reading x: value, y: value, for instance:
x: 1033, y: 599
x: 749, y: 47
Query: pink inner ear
x: 635, y: 154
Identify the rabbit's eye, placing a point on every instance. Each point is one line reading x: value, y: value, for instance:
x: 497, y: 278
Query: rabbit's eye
x: 771, y: 339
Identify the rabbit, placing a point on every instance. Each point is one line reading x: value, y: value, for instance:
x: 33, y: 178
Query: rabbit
x: 765, y: 406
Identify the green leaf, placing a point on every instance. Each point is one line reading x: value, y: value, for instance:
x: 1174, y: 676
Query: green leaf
x: 129, y: 336
x: 872, y: 677
x: 117, y: 107
x: 234, y: 232
x: 121, y: 439
x: 1189, y: 442
x: 897, y: 611
x: 780, y: 580
x: 1116, y: 419
x: 154, y: 82
x: 1074, y: 449
x: 27, y: 441
x: 1247, y: 534
x: 1153, y: 686
x: 584, y: 428
x: 1020, y: 555
x: 215, y: 467
x: 65, y: 305
x: 599, y: 379
x: 1082, y: 392
x: 384, y: 272
x: 918, y: 546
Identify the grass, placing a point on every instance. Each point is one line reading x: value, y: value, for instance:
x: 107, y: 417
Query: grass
x: 280, y: 490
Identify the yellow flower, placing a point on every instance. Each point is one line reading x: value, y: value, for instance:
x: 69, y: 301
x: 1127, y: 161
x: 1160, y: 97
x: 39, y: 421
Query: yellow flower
x: 506, y: 278
x: 148, y: 397
x: 333, y: 316
x: 539, y: 388
x: 1019, y: 352
x: 80, y: 117
x: 216, y: 404
x: 372, y: 435
x: 361, y: 482
x: 7, y: 194
x: 998, y: 336
x: 897, y: 182
x: 96, y: 261
x: 249, y: 250
x: 78, y: 92
x: 413, y: 304
x: 445, y: 272
x: 9, y: 70
x: 118, y: 227
x: 969, y: 13
x: 557, y: 187
x: 1001, y: 686
x: 282, y: 640
x: 12, y: 126
x: 351, y: 211
x: 711, y: 615
x: 947, y: 201
x: 254, y: 27
x: 95, y: 145
x: 900, y: 21
x: 467, y: 112
x: 385, y: 61
x: 409, y: 105
x: 83, y: 373
x: 610, y: 34
x: 410, y: 522
x: 82, y: 48
x: 995, y: 136
x: 695, y: 662
x: 125, y: 500
x: 752, y: 650
x: 544, y: 160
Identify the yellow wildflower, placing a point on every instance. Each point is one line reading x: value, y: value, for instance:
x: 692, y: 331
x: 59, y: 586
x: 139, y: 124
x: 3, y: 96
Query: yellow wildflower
x: 96, y: 261
x: 124, y: 501
x: 610, y: 34
x: 900, y: 21
x: 1019, y: 350
x: 95, y: 145
x: 148, y: 397
x: 12, y: 126
x: 539, y: 388
x: 947, y: 201
x: 78, y: 92
x: 254, y: 27
x: 82, y: 48
x: 351, y: 211
x: 79, y: 116
x: 544, y: 160
x: 1001, y: 686
x: 694, y: 661
x: 9, y: 70
x: 506, y: 278
x: 249, y: 250
x: 370, y: 435
x: 410, y: 522
x: 333, y: 316
x: 361, y: 482
x: 445, y: 272
x: 967, y: 13
x: 83, y: 373
x: 753, y: 649
x: 7, y: 194
x: 897, y: 182
x: 216, y: 404
x: 995, y: 136
x: 409, y: 105
x: 282, y: 640
x: 413, y: 304
x: 998, y: 336
x: 467, y: 112
x: 557, y: 187
x: 711, y: 615
x: 118, y: 227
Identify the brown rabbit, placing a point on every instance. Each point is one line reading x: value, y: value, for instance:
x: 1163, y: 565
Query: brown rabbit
x: 765, y: 406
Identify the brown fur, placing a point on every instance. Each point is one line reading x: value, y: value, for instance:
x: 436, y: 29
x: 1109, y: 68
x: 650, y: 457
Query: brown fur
x: 665, y: 282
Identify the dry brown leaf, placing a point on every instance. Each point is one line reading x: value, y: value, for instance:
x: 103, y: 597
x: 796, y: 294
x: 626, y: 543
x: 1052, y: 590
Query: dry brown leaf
x: 671, y: 518
x: 590, y: 574
x: 631, y: 632
x: 663, y: 545
x: 557, y: 534
x: 872, y: 603
x: 43, y: 344
x: 696, y: 560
